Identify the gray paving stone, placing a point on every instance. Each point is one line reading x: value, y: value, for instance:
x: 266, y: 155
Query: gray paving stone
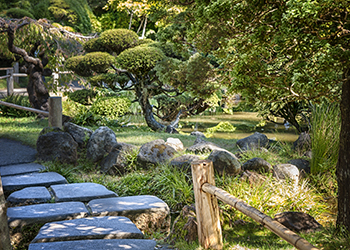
x: 127, y: 205
x: 17, y: 182
x: 43, y: 213
x: 109, y: 227
x: 14, y: 152
x: 113, y: 244
x: 30, y: 195
x: 81, y: 192
x: 20, y: 169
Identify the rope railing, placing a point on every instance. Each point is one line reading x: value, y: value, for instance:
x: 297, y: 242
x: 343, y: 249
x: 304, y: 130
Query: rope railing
x: 206, y: 195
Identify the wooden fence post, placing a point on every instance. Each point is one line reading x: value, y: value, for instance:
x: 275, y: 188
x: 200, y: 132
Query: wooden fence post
x: 55, y: 111
x: 16, y: 70
x: 9, y: 82
x: 207, y: 209
x: 5, y: 242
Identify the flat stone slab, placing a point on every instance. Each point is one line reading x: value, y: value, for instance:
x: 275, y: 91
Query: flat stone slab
x: 14, y: 152
x: 17, y: 182
x: 128, y: 205
x: 109, y: 227
x: 20, y: 169
x: 30, y: 195
x: 81, y: 192
x: 43, y: 213
x: 113, y: 244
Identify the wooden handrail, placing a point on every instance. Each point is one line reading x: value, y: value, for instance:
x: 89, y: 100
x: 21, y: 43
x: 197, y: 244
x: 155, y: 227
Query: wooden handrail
x: 202, y: 171
x: 11, y: 105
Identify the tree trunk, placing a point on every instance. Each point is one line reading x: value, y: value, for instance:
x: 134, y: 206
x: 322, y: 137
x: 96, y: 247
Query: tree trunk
x: 144, y: 28
x: 5, y: 242
x: 37, y: 92
x: 143, y: 99
x: 343, y: 165
x: 131, y: 15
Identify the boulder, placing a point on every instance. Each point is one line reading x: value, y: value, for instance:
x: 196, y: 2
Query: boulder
x: 57, y: 146
x: 50, y: 129
x: 258, y: 165
x: 286, y: 171
x: 155, y: 152
x: 253, y: 141
x: 199, y: 140
x: 301, y: 164
x: 116, y: 162
x: 303, y: 143
x: 183, y: 162
x: 203, y: 148
x: 175, y: 143
x: 185, y: 226
x: 225, y: 162
x: 298, y: 222
x: 198, y: 134
x: 101, y: 143
x: 80, y: 134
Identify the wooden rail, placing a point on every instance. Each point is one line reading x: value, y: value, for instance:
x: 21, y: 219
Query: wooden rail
x: 206, y: 195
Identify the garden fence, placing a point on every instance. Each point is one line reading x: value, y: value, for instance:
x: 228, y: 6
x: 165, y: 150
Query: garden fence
x: 207, y: 210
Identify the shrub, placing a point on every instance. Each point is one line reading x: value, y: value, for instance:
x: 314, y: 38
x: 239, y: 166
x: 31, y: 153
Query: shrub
x: 110, y: 107
x: 18, y: 13
x: 221, y: 127
x: 98, y: 61
x: 140, y: 59
x: 83, y: 96
x: 78, y: 65
x: 19, y: 100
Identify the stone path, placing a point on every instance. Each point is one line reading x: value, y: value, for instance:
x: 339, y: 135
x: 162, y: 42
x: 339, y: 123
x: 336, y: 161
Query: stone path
x: 77, y: 215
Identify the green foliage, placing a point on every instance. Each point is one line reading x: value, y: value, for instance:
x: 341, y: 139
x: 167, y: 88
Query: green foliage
x: 110, y: 107
x: 113, y: 41
x: 77, y: 64
x: 98, y: 62
x: 325, y: 130
x: 83, y: 96
x: 13, y: 112
x: 140, y: 60
x: 221, y: 127
x: 18, y: 13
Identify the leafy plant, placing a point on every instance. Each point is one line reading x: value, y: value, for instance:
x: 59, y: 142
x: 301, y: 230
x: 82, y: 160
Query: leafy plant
x: 325, y: 130
x: 83, y: 96
x: 13, y: 112
x: 110, y: 107
x: 221, y: 127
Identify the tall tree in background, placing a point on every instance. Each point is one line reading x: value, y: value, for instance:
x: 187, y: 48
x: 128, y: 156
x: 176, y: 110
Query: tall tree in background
x: 281, y: 51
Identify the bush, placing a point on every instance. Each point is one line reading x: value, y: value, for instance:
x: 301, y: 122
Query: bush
x: 77, y: 64
x: 98, y: 61
x: 114, y: 40
x: 140, y: 60
x: 83, y: 96
x: 110, y: 107
x: 18, y: 13
x: 19, y: 100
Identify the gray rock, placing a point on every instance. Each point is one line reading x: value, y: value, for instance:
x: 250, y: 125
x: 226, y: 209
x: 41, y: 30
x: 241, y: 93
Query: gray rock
x: 80, y: 192
x: 225, y: 162
x: 80, y: 134
x: 253, y: 141
x: 298, y: 222
x: 258, y: 165
x: 57, y: 146
x: 47, y: 130
x: 198, y: 134
x: 17, y: 169
x: 183, y: 162
x: 101, y: 143
x: 308, y: 154
x: 105, y: 244
x: 286, y: 171
x: 252, y: 177
x: 17, y: 182
x: 155, y: 152
x: 13, y: 152
x: 149, y: 213
x: 301, y: 164
x: 116, y: 162
x: 30, y: 195
x: 109, y: 227
x: 303, y: 143
x: 175, y: 143
x: 199, y: 140
x: 203, y: 148
x: 43, y: 213
x: 171, y: 130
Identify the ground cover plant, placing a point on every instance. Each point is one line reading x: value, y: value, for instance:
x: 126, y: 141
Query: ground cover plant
x: 175, y: 188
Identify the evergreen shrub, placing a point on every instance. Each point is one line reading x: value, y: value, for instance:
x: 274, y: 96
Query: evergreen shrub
x: 110, y: 107
x: 83, y: 96
x: 18, y: 13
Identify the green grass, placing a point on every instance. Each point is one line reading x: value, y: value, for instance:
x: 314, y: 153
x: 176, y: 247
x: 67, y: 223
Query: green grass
x: 175, y: 187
